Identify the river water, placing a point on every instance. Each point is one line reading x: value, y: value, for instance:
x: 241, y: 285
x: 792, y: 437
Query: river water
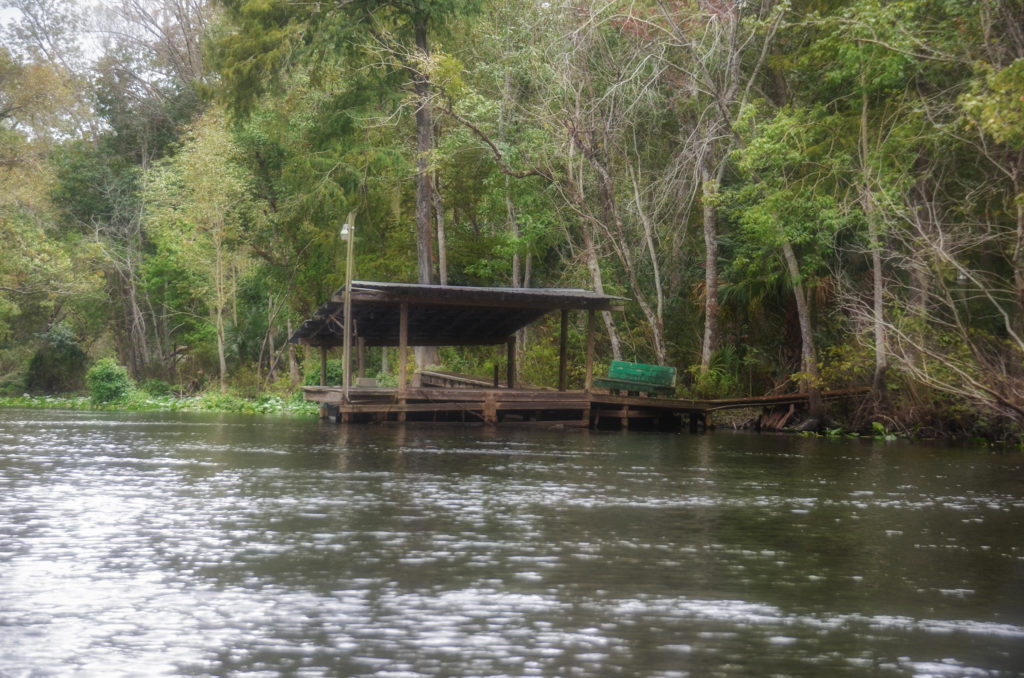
x: 158, y: 544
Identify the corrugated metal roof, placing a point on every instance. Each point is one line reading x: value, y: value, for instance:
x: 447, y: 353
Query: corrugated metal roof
x: 442, y: 315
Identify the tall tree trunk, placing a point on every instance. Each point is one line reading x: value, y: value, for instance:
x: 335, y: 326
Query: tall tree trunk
x: 710, y: 344
x: 920, y: 282
x: 510, y: 208
x: 719, y: 72
x: 1016, y: 360
x: 652, y: 253
x: 272, y: 368
x: 1018, y: 248
x: 172, y: 351
x: 442, y: 247
x: 594, y: 266
x: 220, y: 301
x: 425, y: 355
x: 513, y: 227
x: 139, y: 349
x: 424, y: 145
x: 809, y: 357
x: 878, y: 391
x: 878, y: 383
x: 294, y: 378
x: 221, y: 358
x: 518, y: 279
x: 574, y: 189
x: 158, y: 336
x: 621, y: 246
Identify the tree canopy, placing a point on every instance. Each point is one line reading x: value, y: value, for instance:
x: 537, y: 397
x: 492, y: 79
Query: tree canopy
x: 790, y: 193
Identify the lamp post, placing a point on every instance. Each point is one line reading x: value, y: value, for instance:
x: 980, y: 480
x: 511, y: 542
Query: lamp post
x: 348, y: 236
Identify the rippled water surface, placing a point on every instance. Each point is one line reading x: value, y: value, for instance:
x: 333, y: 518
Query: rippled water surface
x: 191, y: 545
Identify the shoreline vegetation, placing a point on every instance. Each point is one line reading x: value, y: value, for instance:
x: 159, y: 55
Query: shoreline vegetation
x: 144, y: 402
x: 293, y: 405
x: 110, y: 388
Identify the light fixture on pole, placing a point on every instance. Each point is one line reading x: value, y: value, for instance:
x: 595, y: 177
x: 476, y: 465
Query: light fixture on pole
x: 347, y: 234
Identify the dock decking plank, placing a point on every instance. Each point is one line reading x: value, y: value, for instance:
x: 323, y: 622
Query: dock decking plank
x: 490, y: 405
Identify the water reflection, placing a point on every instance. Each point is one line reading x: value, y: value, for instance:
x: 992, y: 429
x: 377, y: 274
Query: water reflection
x: 152, y: 544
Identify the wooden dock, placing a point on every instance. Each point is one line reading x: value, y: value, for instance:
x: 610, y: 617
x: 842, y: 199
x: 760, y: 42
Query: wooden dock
x: 404, y: 314
x: 491, y: 406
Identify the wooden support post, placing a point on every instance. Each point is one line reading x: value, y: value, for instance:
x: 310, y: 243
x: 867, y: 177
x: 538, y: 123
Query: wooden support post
x: 588, y: 379
x: 403, y: 347
x: 512, y: 361
x: 490, y: 410
x: 348, y: 234
x: 563, y: 352
x: 403, y: 355
x: 361, y: 357
x: 496, y: 371
x: 588, y: 382
x: 323, y: 379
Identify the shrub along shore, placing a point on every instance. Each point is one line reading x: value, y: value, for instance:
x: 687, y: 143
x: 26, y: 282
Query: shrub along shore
x: 111, y: 388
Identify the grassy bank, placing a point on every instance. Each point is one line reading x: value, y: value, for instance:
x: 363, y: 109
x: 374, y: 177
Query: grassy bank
x: 139, y: 401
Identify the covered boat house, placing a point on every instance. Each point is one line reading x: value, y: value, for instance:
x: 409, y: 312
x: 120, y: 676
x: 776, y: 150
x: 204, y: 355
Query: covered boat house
x: 405, y: 315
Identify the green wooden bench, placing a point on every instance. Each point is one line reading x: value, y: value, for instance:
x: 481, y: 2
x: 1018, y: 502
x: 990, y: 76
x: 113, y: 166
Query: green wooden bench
x: 638, y: 378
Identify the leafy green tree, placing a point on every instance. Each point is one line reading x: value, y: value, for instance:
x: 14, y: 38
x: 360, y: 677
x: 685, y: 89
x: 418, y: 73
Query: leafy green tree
x: 58, y: 365
x: 197, y: 201
x: 264, y: 43
x: 931, y: 217
x: 497, y: 149
x: 860, y: 65
x: 976, y: 261
x: 719, y: 52
x: 43, y: 37
x: 306, y: 153
x: 101, y: 166
x: 994, y: 108
x: 787, y: 207
x: 97, y: 190
x: 44, y: 277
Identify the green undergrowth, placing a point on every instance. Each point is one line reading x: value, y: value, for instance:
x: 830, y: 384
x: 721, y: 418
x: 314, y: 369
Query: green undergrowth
x: 878, y: 432
x: 140, y: 401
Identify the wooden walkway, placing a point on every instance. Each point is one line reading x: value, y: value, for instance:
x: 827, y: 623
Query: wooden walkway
x: 491, y: 406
